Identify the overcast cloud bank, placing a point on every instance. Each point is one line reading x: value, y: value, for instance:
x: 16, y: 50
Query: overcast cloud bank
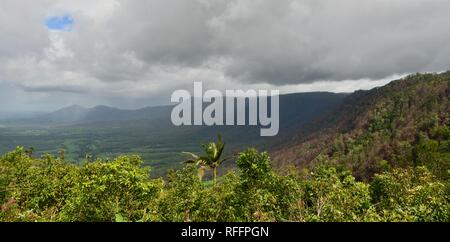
x: 132, y: 53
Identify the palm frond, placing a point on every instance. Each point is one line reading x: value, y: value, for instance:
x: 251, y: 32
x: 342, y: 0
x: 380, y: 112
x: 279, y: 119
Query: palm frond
x: 191, y: 154
x: 190, y: 161
x: 226, y: 158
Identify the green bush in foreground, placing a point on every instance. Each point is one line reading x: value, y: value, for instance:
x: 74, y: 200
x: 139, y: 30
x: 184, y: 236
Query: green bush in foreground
x: 50, y: 189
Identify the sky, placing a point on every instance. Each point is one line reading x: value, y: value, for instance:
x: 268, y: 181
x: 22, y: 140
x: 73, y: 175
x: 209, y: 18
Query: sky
x: 60, y: 23
x: 134, y: 53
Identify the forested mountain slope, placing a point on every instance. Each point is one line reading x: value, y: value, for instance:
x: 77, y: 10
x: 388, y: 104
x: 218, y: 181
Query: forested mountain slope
x: 405, y: 123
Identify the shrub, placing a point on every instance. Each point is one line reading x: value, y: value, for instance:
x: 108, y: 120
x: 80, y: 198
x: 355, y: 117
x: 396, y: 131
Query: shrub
x: 411, y: 194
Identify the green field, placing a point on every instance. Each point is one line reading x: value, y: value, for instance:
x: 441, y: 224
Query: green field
x: 159, y: 147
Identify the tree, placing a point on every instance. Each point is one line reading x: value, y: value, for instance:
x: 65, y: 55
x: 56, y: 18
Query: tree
x: 211, y: 159
x: 110, y: 190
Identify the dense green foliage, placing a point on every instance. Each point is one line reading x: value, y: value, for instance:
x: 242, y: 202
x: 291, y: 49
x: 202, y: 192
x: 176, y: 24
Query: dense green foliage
x: 50, y: 189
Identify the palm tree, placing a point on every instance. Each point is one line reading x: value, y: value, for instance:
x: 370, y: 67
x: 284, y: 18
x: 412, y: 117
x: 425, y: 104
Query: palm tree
x: 211, y: 159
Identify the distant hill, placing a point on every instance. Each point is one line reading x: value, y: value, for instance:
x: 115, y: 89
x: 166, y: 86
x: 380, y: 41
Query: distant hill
x: 404, y: 123
x: 296, y: 110
x: 80, y: 115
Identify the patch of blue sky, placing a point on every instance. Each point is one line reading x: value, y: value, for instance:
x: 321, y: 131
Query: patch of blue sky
x: 61, y: 23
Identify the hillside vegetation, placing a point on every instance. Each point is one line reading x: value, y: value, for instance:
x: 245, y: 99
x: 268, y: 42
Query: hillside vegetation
x: 381, y: 156
x: 403, y: 124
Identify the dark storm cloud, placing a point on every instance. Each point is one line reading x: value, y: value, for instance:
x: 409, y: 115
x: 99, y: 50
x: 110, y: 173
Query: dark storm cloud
x: 279, y: 42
